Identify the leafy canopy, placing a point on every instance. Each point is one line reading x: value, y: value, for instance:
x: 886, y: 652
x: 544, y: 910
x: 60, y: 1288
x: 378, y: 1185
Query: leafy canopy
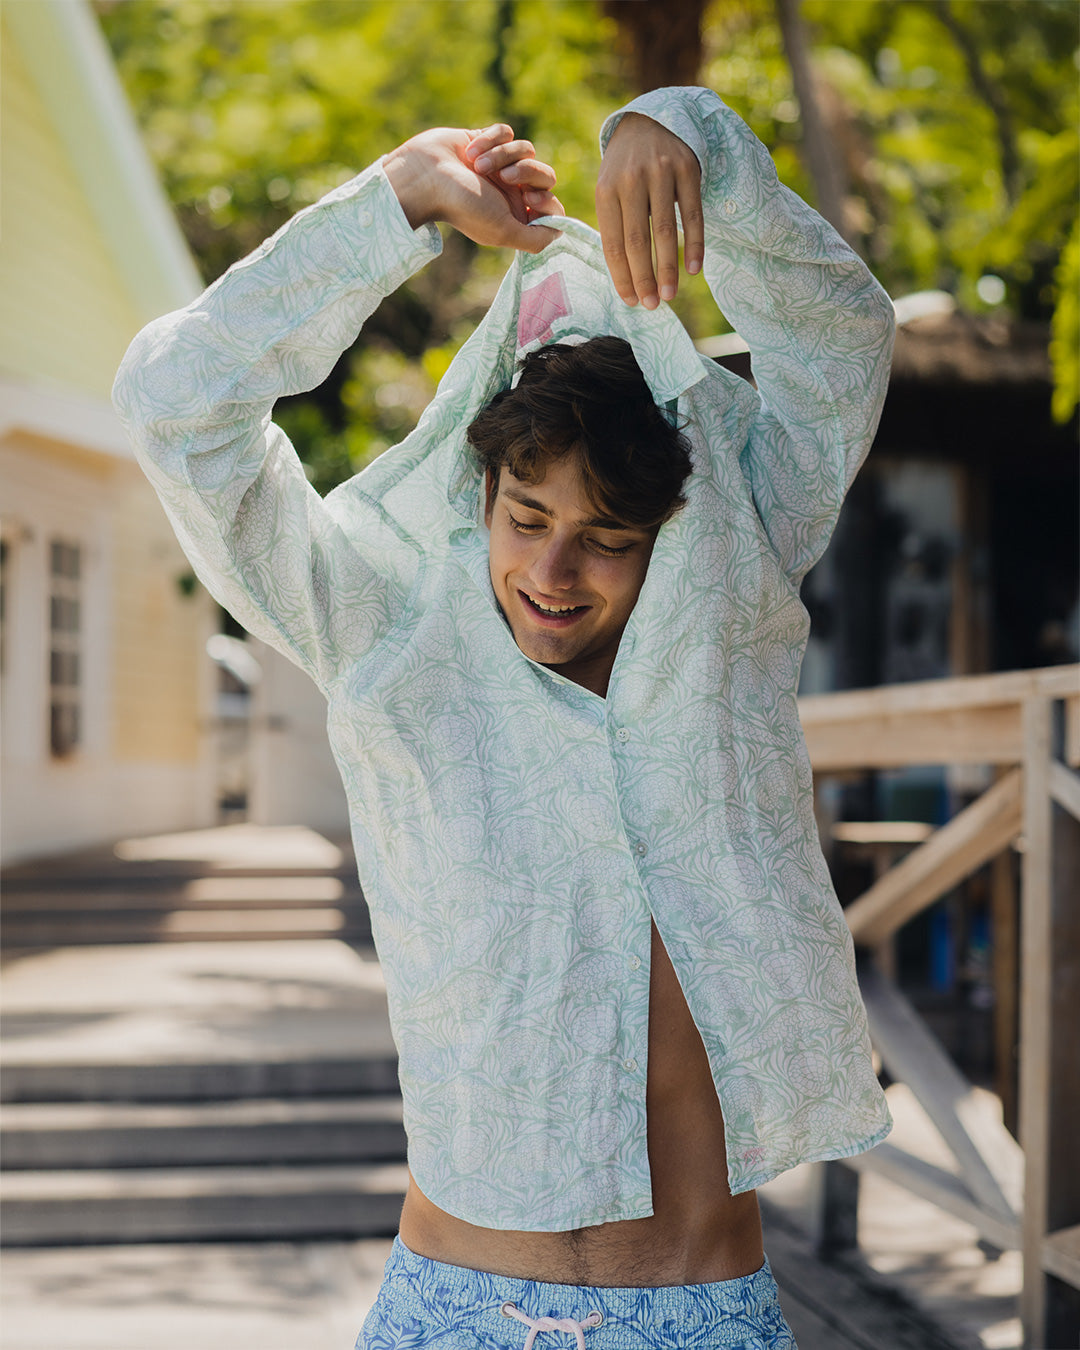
x: 956, y: 121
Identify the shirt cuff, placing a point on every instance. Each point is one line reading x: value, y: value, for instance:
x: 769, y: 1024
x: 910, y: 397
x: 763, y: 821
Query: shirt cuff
x: 371, y: 226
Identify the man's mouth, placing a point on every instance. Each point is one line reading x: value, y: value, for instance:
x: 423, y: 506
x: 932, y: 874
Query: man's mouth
x: 553, y: 613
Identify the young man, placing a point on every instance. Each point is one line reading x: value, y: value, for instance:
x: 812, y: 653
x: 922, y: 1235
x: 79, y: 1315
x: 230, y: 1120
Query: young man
x: 561, y: 679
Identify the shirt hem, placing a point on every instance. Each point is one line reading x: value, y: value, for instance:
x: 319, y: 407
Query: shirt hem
x: 569, y: 1225
x: 833, y: 1154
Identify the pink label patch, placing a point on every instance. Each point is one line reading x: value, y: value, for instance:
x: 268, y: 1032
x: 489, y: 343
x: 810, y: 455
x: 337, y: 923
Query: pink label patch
x: 541, y: 305
x: 753, y: 1155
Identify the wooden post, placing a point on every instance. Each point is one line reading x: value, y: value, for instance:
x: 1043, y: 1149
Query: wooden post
x: 1062, y: 1300
x: 1005, y: 948
x: 1004, y: 937
x: 832, y: 1208
x: 1049, y: 1016
x: 1035, y: 940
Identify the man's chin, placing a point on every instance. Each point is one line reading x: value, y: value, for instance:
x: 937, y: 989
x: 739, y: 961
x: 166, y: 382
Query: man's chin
x: 546, y: 649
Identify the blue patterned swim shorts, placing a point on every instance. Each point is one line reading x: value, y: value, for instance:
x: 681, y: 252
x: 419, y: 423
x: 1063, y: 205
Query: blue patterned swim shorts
x: 426, y: 1303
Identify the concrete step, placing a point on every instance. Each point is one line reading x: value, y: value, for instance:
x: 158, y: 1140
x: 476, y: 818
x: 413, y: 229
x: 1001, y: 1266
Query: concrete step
x: 197, y: 1080
x: 195, y: 1022
x: 200, y: 893
x: 36, y: 931
x: 208, y: 1204
x: 37, y: 1136
x: 198, y: 909
x: 231, y: 850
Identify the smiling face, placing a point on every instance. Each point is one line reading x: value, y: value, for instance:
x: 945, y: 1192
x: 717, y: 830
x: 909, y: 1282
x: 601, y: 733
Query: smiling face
x: 566, y: 576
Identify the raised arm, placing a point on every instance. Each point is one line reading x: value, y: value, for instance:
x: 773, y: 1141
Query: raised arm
x: 197, y: 387
x: 819, y: 327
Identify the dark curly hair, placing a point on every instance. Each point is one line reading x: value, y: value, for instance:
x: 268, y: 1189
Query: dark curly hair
x: 590, y: 401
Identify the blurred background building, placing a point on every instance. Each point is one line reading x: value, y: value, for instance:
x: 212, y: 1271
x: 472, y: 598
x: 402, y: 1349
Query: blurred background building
x: 102, y: 673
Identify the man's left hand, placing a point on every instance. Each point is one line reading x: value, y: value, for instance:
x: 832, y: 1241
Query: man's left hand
x: 646, y: 171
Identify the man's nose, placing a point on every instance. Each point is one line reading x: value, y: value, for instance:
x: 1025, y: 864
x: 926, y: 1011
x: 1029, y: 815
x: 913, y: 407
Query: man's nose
x: 556, y: 567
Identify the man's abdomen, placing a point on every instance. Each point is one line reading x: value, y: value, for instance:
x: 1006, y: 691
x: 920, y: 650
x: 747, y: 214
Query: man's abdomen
x: 698, y: 1232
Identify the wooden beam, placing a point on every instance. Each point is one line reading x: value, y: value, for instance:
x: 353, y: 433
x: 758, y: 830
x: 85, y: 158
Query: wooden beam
x: 966, y: 691
x: 883, y: 832
x: 941, y: 1188
x: 953, y: 852
x: 1072, y: 731
x: 989, y: 1158
x: 1065, y: 788
x: 1061, y: 1255
x: 978, y: 735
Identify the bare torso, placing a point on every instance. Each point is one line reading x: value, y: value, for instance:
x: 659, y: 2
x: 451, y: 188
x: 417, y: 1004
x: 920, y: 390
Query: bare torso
x: 698, y: 1231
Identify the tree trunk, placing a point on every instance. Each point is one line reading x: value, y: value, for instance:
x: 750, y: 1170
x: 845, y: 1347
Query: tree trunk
x: 823, y: 163
x: 664, y: 39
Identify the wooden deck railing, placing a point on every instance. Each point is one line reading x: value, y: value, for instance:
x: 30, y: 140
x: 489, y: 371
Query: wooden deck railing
x: 1027, y: 725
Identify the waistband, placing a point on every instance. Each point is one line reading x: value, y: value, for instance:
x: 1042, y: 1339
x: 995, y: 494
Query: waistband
x: 748, y: 1296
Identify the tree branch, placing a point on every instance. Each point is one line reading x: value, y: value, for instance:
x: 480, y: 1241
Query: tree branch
x: 991, y: 95
x: 819, y: 152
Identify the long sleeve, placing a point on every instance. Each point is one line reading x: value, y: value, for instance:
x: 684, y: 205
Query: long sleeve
x: 196, y: 390
x: 819, y: 327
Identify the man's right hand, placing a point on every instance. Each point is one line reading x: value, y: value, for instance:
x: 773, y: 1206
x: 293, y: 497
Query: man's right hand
x: 484, y: 183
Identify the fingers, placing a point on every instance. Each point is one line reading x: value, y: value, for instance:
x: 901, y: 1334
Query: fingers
x: 495, y: 148
x: 640, y: 234
x: 542, y: 203
x: 627, y: 241
x: 647, y: 172
x: 496, y: 151
x: 514, y: 164
x: 688, y: 188
x: 526, y: 183
x: 499, y: 156
x: 526, y: 173
x: 665, y: 234
x: 498, y: 134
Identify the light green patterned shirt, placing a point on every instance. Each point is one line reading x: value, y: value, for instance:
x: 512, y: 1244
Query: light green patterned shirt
x: 515, y: 832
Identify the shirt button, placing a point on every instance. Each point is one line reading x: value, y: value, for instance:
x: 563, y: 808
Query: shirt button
x: 635, y: 963
x: 629, y: 1065
x: 622, y: 734
x: 365, y: 219
x: 641, y: 848
x: 729, y: 207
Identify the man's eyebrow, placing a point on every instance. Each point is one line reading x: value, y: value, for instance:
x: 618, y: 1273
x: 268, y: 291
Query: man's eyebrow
x: 593, y: 523
x: 530, y: 502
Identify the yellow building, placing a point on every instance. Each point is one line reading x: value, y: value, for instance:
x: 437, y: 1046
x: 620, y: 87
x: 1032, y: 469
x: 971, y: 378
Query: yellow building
x: 106, y: 685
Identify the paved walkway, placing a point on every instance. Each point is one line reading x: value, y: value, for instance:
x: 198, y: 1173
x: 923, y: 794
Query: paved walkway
x: 256, y: 1000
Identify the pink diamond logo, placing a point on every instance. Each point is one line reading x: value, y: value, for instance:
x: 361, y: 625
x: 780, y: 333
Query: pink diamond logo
x: 540, y: 306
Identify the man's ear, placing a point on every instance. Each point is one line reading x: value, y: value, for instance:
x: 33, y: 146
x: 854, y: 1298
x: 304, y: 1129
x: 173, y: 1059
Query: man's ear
x: 491, y: 486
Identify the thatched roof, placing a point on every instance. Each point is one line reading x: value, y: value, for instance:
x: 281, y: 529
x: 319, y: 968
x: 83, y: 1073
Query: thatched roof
x: 937, y: 344
x: 961, y: 348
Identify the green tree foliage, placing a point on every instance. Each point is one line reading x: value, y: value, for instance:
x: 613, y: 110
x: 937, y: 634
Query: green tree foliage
x: 956, y: 119
x: 958, y: 125
x: 252, y: 110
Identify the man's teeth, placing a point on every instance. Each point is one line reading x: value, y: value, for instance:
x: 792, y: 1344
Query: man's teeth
x: 554, y: 609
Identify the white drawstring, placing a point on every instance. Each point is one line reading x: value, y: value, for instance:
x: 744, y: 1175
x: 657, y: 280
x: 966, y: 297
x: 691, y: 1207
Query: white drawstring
x: 539, y: 1324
